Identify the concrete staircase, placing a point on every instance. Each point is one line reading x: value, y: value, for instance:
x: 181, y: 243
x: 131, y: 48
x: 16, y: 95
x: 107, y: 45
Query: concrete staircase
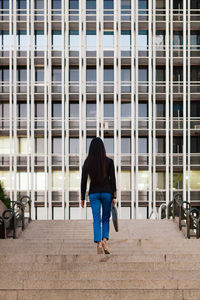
x: 57, y: 260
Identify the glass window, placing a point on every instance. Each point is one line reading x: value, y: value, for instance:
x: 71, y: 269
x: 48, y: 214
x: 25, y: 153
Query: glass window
x: 21, y: 4
x: 126, y: 109
x: 39, y: 145
x: 73, y: 4
x: 177, y: 38
x: 125, y: 145
x: 109, y: 144
x: 22, y: 39
x: 125, y: 73
x: 74, y: 145
x: 22, y: 110
x: 21, y: 74
x: 108, y: 4
x: 108, y: 110
x: 56, y: 145
x: 56, y: 110
x: 22, y: 181
x: 5, y: 179
x: 91, y: 74
x: 39, y: 4
x: 143, y: 110
x: 91, y: 110
x: 39, y: 110
x: 56, y: 74
x: 39, y: 40
x: 160, y: 110
x: 4, y: 145
x: 177, y: 144
x: 195, y: 109
x: 74, y: 110
x: 91, y: 39
x: 39, y: 181
x: 22, y: 146
x: 125, y: 40
x: 178, y: 74
x: 108, y: 73
x: 88, y: 141
x: 178, y: 4
x: 160, y: 74
x: 143, y: 180
x: 195, y: 144
x: 177, y: 181
x: 57, y: 180
x: 56, y: 4
x: 142, y: 41
x: 4, y: 74
x: 73, y: 74
x: 160, y: 145
x: 160, y: 180
x: 143, y: 145
x: 125, y: 180
x: 39, y: 74
x: 194, y: 180
x: 195, y: 73
x: 178, y: 109
x: 108, y: 40
x: 74, y: 40
x: 74, y: 180
x: 4, y: 110
x: 143, y: 6
x: 125, y: 4
x: 56, y: 40
x: 4, y: 4
x: 143, y: 74
x: 160, y: 39
x: 4, y: 40
x: 91, y: 4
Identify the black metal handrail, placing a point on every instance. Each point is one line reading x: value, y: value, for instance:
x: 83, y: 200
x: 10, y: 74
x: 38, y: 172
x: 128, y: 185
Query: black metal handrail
x: 182, y: 209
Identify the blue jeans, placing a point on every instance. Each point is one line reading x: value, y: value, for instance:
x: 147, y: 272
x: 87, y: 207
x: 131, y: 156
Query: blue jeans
x: 96, y: 200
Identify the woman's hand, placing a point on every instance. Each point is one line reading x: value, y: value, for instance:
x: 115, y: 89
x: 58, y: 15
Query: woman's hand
x: 114, y: 201
x: 82, y: 203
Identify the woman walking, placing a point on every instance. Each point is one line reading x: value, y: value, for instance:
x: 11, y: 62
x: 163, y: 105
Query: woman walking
x: 102, y: 191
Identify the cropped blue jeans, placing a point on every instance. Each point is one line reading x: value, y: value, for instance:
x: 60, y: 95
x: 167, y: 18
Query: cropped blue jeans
x: 96, y: 200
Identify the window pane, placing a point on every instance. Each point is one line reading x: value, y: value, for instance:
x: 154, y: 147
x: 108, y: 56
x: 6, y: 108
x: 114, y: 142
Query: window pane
x: 125, y: 145
x: 108, y: 109
x: 108, y: 40
x: 142, y: 41
x: 126, y: 109
x: 125, y: 180
x: 56, y: 40
x: 108, y: 4
x: 108, y: 74
x: 142, y: 145
x: 39, y: 74
x: 74, y: 40
x: 143, y: 74
x: 57, y: 180
x: 125, y: 40
x: 39, y: 4
x: 56, y: 74
x: 73, y: 74
x: 91, y: 39
x: 56, y: 145
x: 74, y: 110
x: 22, y: 144
x: 39, y: 181
x: 143, y: 180
x: 160, y: 181
x: 160, y: 110
x: 39, y: 145
x: 74, y: 145
x: 21, y: 74
x: 125, y: 4
x: 22, y: 110
x: 178, y: 109
x: 160, y: 145
x: 73, y: 4
x: 56, y: 110
x: 90, y: 74
x: 91, y: 4
x: 90, y: 110
x: 56, y: 4
x: 143, y: 110
x: 39, y: 40
x: 74, y: 180
x: 125, y: 74
x: 39, y: 110
x: 160, y: 39
x: 109, y: 144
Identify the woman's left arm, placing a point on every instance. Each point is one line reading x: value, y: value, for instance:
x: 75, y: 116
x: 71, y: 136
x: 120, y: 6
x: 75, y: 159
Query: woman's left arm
x: 83, y: 181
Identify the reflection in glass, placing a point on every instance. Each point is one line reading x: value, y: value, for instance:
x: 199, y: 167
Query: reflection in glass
x: 56, y: 74
x: 56, y: 110
x: 39, y: 40
x: 143, y: 110
x: 143, y: 145
x: 39, y: 145
x: 74, y: 110
x: 125, y: 145
x: 109, y: 144
x: 126, y: 109
x: 56, y: 40
x: 91, y: 40
x: 108, y: 110
x: 125, y: 40
x: 56, y: 145
x: 142, y: 40
x: 74, y: 145
x: 39, y: 74
x: 74, y: 40
x: 91, y: 110
x: 108, y: 40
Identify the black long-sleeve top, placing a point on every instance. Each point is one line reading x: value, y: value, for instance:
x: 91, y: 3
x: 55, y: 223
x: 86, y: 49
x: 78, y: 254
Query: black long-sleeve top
x: 108, y: 186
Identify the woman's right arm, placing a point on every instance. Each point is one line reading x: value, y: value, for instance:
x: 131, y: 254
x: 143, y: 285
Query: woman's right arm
x: 112, y: 179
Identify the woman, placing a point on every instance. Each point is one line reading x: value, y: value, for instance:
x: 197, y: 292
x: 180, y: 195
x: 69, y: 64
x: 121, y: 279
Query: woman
x: 102, y: 191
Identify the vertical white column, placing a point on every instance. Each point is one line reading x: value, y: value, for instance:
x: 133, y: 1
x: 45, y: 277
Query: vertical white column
x: 27, y: 95
x: 135, y: 33
x: 184, y: 98
x: 11, y: 97
x: 189, y: 103
x: 15, y: 113
x: 171, y: 99
x: 66, y: 107
x: 132, y: 109
x: 99, y: 104
x: 167, y: 12
x: 33, y: 176
x: 150, y: 104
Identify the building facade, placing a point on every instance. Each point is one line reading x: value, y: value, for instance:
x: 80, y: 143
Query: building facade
x: 127, y: 71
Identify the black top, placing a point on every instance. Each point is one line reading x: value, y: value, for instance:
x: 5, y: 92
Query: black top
x: 108, y: 186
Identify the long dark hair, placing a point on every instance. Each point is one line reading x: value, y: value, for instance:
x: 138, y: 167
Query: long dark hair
x: 96, y: 161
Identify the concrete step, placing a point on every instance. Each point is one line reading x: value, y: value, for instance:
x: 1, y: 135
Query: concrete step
x: 111, y: 294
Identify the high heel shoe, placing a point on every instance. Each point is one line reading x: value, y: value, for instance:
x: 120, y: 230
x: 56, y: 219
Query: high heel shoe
x: 99, y: 249
x: 105, y: 247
